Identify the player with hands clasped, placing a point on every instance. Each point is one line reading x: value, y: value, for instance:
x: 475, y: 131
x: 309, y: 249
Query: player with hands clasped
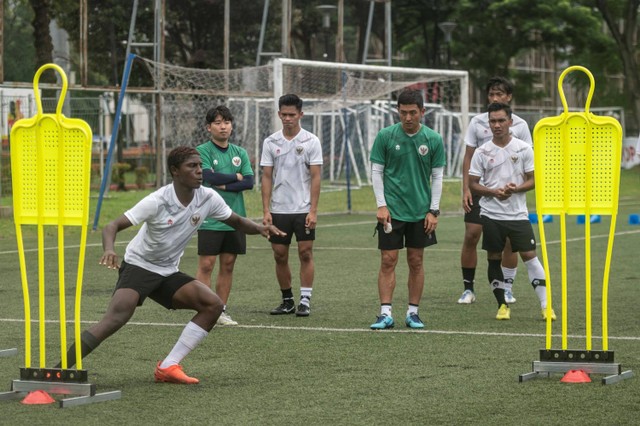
x: 169, y: 217
x: 498, y: 89
x: 505, y: 168
x: 407, y: 162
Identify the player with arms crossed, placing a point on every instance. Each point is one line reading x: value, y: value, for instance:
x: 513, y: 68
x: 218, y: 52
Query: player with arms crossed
x: 225, y: 168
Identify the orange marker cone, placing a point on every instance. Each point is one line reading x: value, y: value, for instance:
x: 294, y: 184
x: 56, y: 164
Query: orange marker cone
x: 576, y: 376
x: 38, y: 397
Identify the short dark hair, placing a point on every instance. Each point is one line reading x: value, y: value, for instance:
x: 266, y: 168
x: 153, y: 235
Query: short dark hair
x: 497, y: 106
x: 220, y: 110
x: 411, y: 97
x: 290, y: 100
x: 501, y: 83
x: 179, y: 155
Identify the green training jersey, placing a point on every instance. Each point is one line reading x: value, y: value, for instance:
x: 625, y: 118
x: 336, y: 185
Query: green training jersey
x: 234, y: 160
x: 408, y: 162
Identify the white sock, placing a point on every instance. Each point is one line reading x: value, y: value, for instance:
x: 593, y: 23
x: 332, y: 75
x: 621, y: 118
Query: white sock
x: 385, y: 310
x: 509, y: 275
x: 536, y: 277
x: 412, y: 309
x: 305, y: 295
x: 191, y: 336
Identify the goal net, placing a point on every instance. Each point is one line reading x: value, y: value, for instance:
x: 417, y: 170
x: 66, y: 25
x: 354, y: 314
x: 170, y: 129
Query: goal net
x: 345, y: 105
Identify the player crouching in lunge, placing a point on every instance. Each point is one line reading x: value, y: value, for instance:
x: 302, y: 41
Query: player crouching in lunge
x: 169, y: 217
x: 505, y: 166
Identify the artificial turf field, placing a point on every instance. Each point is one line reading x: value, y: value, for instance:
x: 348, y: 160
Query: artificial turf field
x: 330, y: 368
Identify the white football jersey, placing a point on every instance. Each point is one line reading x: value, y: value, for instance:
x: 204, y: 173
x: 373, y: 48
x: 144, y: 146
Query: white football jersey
x: 168, y: 226
x: 497, y: 167
x: 479, y: 132
x: 291, y: 160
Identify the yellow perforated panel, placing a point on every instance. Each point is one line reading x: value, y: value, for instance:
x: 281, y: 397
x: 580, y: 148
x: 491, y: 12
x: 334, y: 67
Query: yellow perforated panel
x: 51, y: 164
x: 577, y: 164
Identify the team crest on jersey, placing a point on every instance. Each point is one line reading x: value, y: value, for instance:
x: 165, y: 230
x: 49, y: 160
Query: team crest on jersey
x: 195, y: 219
x: 514, y: 159
x: 170, y: 222
x: 236, y: 161
x: 423, y: 150
x: 215, y: 162
x: 397, y: 147
x: 299, y: 150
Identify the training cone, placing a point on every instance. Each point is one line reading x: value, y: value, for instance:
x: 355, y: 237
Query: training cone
x: 38, y: 397
x: 576, y: 376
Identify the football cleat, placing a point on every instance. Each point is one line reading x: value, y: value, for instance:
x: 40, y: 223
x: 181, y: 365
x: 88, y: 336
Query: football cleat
x: 414, y: 321
x: 225, y: 319
x: 173, y: 374
x: 504, y: 313
x: 382, y: 322
x: 508, y: 297
x: 286, y: 307
x: 467, y: 298
x: 303, y: 310
x: 544, y: 314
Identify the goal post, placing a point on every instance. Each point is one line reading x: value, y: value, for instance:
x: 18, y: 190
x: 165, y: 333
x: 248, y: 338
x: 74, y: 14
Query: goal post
x: 345, y: 105
x: 351, y: 103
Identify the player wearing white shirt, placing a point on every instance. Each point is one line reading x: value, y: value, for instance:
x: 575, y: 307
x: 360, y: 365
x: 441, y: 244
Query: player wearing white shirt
x: 502, y: 172
x: 170, y: 217
x: 478, y: 133
x: 291, y: 165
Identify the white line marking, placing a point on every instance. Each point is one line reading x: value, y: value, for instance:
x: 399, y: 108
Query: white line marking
x: 349, y: 330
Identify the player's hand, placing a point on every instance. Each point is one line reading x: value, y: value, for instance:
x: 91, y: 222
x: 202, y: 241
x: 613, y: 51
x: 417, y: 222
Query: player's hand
x: 467, y: 200
x: 239, y: 177
x: 430, y: 223
x: 110, y: 259
x: 383, y: 216
x: 311, y: 221
x: 510, y: 188
x: 269, y: 230
x: 501, y: 194
x: 267, y: 219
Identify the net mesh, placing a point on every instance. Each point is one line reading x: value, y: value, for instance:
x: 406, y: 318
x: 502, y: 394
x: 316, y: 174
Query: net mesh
x: 345, y: 107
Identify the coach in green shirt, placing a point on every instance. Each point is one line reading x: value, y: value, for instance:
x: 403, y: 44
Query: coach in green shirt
x: 407, y: 161
x: 226, y: 168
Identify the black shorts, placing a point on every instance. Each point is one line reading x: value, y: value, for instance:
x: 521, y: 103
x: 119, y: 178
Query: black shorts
x: 291, y: 224
x: 474, y: 215
x: 212, y: 243
x: 409, y: 234
x: 149, y: 284
x: 496, y: 232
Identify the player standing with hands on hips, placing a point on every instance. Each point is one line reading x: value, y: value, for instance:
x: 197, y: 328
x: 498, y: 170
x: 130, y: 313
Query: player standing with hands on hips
x: 407, y: 161
x: 291, y: 171
x: 505, y: 168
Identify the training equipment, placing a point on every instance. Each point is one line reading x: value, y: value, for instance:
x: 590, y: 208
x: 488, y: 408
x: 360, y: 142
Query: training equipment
x: 634, y: 219
x: 504, y: 313
x: 286, y: 307
x: 413, y: 321
x: 576, y: 376
x: 173, y: 374
x: 467, y: 298
x: 51, y: 167
x: 388, y: 228
x: 37, y: 398
x: 382, y: 322
x: 225, y: 319
x: 345, y: 105
x: 303, y: 310
x: 577, y: 172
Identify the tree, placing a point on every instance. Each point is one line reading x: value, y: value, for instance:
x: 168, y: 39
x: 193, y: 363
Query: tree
x: 41, y: 35
x: 19, y: 48
x: 621, y: 18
